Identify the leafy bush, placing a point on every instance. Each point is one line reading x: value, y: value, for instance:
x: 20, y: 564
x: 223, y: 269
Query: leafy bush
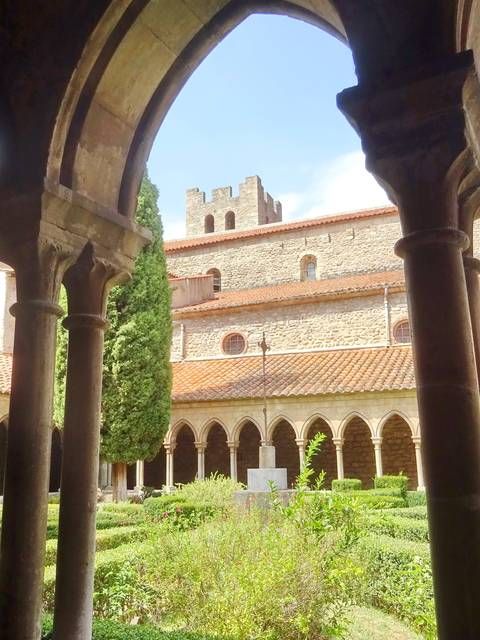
x: 105, y: 539
x: 378, y: 498
x: 258, y: 575
x: 398, y: 580
x: 178, y: 514
x: 109, y: 630
x: 215, y: 491
x: 415, y: 513
x: 416, y: 498
x: 392, y: 482
x: 397, y: 527
x: 347, y: 484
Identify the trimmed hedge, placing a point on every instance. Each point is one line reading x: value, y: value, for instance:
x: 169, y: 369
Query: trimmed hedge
x: 413, y: 513
x: 106, y: 519
x: 108, y: 630
x: 392, y: 482
x: 378, y: 498
x: 347, y: 484
x: 398, y: 580
x: 178, y: 513
x: 105, y: 539
x: 416, y: 498
x: 397, y: 527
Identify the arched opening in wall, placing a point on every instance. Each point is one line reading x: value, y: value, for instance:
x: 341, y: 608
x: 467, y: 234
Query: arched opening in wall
x: 217, y: 279
x: 401, y: 332
x: 229, y: 221
x: 184, y: 456
x: 217, y: 453
x: 3, y: 452
x: 56, y: 461
x: 308, y: 268
x: 155, y: 471
x: 247, y: 454
x: 325, y: 460
x: 286, y: 450
x: 209, y: 223
x: 398, y: 450
x: 358, y: 452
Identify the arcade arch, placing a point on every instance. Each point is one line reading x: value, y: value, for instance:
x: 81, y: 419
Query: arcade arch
x: 358, y: 451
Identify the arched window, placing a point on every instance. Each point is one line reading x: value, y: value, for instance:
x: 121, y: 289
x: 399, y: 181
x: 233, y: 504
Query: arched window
x: 234, y: 344
x: 401, y: 332
x: 229, y: 221
x: 217, y: 279
x: 308, y: 268
x: 209, y: 223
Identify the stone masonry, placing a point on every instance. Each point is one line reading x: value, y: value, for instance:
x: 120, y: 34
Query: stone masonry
x: 253, y: 206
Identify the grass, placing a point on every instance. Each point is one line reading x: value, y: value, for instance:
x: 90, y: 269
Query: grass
x: 371, y: 624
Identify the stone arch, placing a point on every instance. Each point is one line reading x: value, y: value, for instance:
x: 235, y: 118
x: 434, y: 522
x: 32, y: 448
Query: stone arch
x: 172, y: 432
x: 217, y: 278
x: 209, y: 223
x: 395, y: 413
x: 184, y: 455
x: 358, y: 450
x: 286, y: 449
x: 56, y: 460
x: 229, y: 221
x: 398, y: 449
x: 326, y: 458
x: 308, y: 268
x: 155, y: 471
x: 217, y: 453
x: 248, y: 436
x: 3, y: 450
x: 273, y: 424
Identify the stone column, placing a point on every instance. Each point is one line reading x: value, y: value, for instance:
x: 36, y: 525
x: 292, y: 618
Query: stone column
x: 200, y: 460
x: 377, y: 444
x: 418, y: 459
x: 413, y: 133
x: 139, y: 476
x: 39, y: 267
x: 338, y: 442
x: 169, y: 448
x: 233, y: 446
x: 301, y: 444
x: 86, y: 283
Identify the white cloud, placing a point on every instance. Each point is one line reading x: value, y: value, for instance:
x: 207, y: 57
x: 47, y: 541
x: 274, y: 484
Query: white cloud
x: 344, y: 185
x: 173, y: 227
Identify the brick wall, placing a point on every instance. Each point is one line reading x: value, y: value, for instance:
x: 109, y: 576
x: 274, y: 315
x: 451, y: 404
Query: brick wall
x: 326, y: 459
x: 398, y: 450
x: 217, y: 453
x: 358, y: 453
x: 184, y: 457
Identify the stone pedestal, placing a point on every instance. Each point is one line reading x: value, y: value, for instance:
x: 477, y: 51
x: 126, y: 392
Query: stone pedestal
x: 261, y: 479
x: 266, y: 457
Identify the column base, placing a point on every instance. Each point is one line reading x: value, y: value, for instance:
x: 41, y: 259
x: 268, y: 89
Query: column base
x: 263, y: 479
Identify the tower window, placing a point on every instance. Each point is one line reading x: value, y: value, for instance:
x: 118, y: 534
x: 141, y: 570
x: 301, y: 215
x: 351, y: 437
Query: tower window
x: 308, y: 268
x: 209, y: 223
x: 217, y: 279
x: 401, y: 332
x: 229, y: 220
x: 234, y: 344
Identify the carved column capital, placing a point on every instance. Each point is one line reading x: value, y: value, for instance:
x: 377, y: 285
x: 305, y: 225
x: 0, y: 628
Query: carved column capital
x: 200, y: 446
x: 338, y: 442
x: 414, y: 136
x: 233, y: 444
x: 377, y: 441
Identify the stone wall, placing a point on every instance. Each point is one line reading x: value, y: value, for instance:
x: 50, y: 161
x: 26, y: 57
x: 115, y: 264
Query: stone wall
x: 325, y: 324
x: 398, y: 450
x: 342, y: 248
x: 252, y: 207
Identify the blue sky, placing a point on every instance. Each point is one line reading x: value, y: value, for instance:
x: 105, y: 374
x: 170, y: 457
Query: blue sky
x: 263, y: 102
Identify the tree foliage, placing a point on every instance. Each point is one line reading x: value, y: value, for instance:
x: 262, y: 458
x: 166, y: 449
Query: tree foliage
x: 137, y: 372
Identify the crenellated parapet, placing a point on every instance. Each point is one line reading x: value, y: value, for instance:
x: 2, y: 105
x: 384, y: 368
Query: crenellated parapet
x: 252, y: 206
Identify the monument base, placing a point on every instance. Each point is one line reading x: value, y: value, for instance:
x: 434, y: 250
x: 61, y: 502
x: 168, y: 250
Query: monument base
x: 263, y: 479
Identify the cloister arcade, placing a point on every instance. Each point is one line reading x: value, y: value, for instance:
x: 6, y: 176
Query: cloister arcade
x: 356, y: 446
x: 102, y: 75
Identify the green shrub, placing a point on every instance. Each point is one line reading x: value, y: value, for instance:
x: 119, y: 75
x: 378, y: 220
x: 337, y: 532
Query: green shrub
x: 378, y: 498
x: 109, y: 630
x: 178, y: 514
x: 397, y: 527
x: 415, y: 513
x: 398, y: 580
x: 257, y: 575
x: 215, y: 491
x: 134, y: 510
x: 392, y: 482
x: 347, y: 484
x: 105, y: 539
x: 416, y: 498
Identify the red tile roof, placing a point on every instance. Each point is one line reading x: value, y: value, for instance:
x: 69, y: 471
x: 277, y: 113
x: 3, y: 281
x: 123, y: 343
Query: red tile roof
x: 5, y: 372
x: 278, y: 227
x: 295, y: 374
x: 299, y: 292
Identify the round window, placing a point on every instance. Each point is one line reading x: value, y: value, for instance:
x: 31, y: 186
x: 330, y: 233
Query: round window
x: 401, y: 332
x: 234, y: 344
